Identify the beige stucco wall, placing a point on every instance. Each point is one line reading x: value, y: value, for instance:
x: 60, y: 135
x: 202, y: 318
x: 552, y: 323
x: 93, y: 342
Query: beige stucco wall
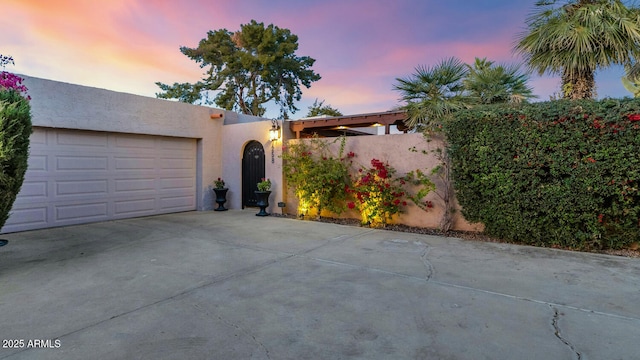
x: 219, y: 148
x: 61, y: 105
x: 394, y: 149
x: 234, y: 139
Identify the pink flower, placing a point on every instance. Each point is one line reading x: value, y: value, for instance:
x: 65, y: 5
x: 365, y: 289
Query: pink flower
x: 11, y: 81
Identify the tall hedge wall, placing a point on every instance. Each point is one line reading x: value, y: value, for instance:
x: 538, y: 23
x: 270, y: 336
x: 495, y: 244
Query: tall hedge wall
x: 560, y: 173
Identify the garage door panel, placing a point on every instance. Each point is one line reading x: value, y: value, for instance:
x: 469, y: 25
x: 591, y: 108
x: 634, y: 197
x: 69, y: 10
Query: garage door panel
x: 34, y: 191
x: 81, y: 187
x: 37, y: 163
x: 92, y: 211
x: 128, y: 142
x: 81, y: 163
x: 169, y: 144
x: 137, y: 163
x: 177, y: 202
x: 74, y: 140
x: 176, y: 164
x: 134, y: 185
x: 137, y: 207
x: 176, y: 183
x: 32, y: 217
x: 38, y: 137
x: 82, y: 176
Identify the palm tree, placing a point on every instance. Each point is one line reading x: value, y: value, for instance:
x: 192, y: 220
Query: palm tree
x: 578, y: 38
x: 488, y: 83
x: 431, y: 96
x: 433, y: 93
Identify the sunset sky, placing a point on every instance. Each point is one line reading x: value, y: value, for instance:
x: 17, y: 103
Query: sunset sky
x: 360, y: 46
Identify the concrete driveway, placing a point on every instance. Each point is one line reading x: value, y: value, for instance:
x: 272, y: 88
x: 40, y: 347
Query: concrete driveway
x: 230, y: 285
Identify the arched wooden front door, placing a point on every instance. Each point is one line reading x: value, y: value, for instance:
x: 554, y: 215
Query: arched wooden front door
x: 252, y: 172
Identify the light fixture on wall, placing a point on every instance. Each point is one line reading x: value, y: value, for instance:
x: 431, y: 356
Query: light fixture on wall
x: 274, y: 135
x: 274, y: 132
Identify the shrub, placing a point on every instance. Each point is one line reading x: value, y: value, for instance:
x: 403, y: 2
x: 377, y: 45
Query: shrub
x: 15, y: 129
x: 378, y: 194
x: 319, y: 177
x: 560, y: 173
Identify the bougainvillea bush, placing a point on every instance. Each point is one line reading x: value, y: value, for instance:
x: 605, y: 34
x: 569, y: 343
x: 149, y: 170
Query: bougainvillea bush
x: 377, y: 193
x: 331, y: 182
x: 15, y: 129
x: 559, y: 173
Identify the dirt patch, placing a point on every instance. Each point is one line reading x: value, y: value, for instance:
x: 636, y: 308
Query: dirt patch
x: 467, y: 235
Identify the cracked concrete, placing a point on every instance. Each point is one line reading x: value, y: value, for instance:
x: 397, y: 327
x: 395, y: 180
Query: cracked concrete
x: 427, y: 263
x: 557, y: 332
x: 229, y: 285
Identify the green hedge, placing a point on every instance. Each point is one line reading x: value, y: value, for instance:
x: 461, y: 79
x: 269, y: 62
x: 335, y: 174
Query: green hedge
x: 560, y: 173
x: 15, y: 129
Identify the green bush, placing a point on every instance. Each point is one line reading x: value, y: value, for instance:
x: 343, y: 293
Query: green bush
x: 15, y: 129
x: 560, y: 173
x: 318, y: 177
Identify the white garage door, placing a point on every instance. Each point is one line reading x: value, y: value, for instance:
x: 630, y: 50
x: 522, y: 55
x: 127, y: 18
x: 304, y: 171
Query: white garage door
x: 86, y: 176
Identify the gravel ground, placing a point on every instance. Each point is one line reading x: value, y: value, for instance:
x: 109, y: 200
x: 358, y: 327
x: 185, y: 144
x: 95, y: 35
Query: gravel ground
x: 467, y: 235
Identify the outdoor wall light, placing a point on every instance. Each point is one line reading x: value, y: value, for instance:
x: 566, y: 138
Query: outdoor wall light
x: 274, y: 135
x: 274, y: 132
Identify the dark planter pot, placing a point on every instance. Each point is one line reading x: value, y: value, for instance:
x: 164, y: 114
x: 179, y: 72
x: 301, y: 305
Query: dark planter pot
x: 221, y: 198
x: 263, y: 202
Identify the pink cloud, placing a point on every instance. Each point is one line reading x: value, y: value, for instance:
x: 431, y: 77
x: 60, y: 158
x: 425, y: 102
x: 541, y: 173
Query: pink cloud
x: 360, y: 47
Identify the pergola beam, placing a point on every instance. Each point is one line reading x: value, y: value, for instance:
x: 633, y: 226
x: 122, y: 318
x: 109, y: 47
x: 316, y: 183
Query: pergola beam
x: 385, y: 119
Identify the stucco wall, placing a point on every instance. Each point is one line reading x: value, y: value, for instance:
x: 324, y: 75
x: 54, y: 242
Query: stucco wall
x: 394, y: 149
x: 61, y: 105
x: 234, y: 139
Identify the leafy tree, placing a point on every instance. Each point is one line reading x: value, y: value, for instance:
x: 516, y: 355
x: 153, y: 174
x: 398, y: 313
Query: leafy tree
x: 577, y: 38
x: 247, y: 68
x: 318, y: 109
x: 488, y: 83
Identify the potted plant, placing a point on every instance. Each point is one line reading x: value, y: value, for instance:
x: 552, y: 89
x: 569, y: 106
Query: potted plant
x: 262, y: 195
x: 221, y: 194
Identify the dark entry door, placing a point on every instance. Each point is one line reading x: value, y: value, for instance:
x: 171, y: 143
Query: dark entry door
x: 252, y: 172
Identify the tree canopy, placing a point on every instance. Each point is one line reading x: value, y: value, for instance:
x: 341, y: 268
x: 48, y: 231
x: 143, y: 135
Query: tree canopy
x: 577, y: 38
x: 246, y: 69
x: 318, y: 109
